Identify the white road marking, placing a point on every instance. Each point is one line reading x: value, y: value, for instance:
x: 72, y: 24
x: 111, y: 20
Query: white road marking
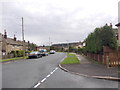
x: 51, y: 73
x: 56, y: 68
x: 54, y: 71
x: 48, y: 76
x: 43, y: 79
x: 38, y: 84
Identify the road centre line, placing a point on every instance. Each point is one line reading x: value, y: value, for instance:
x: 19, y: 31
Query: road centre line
x: 51, y: 73
x: 38, y: 84
x: 48, y: 76
x: 43, y: 79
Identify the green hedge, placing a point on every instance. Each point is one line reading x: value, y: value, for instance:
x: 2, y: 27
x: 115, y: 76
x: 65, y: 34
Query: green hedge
x: 18, y: 53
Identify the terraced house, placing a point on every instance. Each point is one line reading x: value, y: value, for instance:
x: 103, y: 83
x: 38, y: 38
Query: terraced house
x: 11, y: 44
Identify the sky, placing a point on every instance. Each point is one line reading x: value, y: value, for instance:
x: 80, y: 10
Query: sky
x: 49, y: 22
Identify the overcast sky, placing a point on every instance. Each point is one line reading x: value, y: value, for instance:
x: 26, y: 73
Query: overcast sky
x: 59, y: 20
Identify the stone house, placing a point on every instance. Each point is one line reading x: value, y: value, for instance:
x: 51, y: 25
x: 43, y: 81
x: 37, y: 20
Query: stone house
x: 11, y: 44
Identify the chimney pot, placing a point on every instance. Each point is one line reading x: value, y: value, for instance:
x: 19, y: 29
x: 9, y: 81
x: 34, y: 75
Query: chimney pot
x: 14, y: 38
x: 5, y: 34
x: 106, y: 24
x: 110, y: 24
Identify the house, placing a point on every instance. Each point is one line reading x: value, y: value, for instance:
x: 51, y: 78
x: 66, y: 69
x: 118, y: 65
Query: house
x: 11, y: 44
x: 65, y: 46
x: 0, y: 46
x: 118, y: 33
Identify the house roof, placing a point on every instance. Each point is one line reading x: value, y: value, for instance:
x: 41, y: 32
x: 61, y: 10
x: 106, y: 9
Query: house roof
x: 118, y: 24
x: 66, y: 44
x: 13, y: 42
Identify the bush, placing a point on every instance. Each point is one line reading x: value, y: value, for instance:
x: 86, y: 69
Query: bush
x: 18, y: 53
x: 14, y: 53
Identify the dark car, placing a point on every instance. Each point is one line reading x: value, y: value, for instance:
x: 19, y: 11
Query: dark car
x: 43, y: 52
x: 35, y: 54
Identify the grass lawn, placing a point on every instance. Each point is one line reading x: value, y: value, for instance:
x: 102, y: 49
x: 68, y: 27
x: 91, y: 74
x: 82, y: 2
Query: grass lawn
x: 17, y: 58
x: 71, y: 59
x: 118, y: 71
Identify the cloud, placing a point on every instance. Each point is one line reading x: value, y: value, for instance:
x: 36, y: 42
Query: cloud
x: 60, y: 20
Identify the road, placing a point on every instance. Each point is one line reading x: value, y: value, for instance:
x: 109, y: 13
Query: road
x: 45, y: 73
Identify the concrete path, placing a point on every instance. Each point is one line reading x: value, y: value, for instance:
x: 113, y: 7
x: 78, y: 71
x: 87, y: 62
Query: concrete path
x: 92, y: 69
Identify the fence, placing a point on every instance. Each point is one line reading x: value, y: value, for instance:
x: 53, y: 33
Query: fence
x: 7, y: 56
x: 109, y: 56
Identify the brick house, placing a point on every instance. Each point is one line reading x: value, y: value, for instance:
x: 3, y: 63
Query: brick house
x: 0, y: 46
x: 118, y: 33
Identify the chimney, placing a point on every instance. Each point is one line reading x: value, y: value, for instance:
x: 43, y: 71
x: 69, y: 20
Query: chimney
x: 5, y: 34
x: 111, y: 25
x: 106, y: 24
x: 28, y: 41
x: 14, y: 38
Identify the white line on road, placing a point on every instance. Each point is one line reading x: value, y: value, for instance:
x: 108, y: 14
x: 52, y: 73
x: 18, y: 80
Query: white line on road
x: 51, y: 73
x: 38, y: 84
x: 43, y: 80
x: 48, y: 75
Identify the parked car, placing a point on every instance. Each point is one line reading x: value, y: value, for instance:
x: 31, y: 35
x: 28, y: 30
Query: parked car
x: 35, y: 54
x: 43, y: 52
x: 52, y: 51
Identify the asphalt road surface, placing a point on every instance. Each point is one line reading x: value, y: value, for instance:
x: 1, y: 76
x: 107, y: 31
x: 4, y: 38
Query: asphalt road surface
x: 45, y: 73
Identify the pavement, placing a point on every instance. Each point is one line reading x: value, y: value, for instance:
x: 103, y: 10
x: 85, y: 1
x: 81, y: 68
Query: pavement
x: 90, y: 68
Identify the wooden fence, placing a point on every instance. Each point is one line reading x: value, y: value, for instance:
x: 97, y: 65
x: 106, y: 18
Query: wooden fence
x: 109, y: 56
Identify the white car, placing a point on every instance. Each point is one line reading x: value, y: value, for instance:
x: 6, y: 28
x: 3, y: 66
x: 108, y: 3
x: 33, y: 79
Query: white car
x: 52, y: 51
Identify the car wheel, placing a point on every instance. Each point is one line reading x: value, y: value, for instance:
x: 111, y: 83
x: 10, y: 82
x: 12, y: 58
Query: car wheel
x: 37, y: 56
x: 40, y: 55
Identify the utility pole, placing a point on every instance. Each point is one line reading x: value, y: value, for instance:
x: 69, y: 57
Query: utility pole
x: 49, y: 42
x: 68, y: 45
x: 23, y: 38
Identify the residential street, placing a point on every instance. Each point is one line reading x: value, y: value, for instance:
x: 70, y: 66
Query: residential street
x: 45, y: 73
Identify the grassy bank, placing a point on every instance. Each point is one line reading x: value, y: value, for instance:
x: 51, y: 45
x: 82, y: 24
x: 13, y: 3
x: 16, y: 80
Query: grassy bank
x: 11, y: 59
x: 70, y: 59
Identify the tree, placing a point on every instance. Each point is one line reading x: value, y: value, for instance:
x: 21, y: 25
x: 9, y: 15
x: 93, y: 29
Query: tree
x: 103, y: 36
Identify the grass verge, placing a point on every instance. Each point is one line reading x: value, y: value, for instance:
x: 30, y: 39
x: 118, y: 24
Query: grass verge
x: 11, y: 59
x: 71, y: 59
x: 118, y: 71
